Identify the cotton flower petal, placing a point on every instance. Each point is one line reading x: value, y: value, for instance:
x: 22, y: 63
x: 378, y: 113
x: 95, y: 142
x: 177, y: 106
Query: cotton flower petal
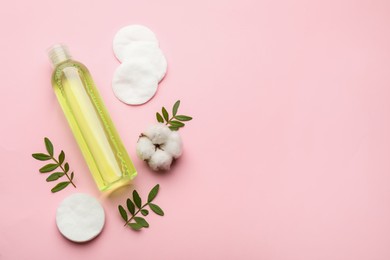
x: 160, y: 160
x: 158, y: 133
x: 145, y: 148
x: 173, y: 145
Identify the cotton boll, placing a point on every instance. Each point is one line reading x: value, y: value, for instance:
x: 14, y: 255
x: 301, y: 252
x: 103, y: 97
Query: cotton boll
x: 158, y: 133
x: 173, y: 145
x: 160, y: 160
x: 159, y: 146
x: 145, y: 148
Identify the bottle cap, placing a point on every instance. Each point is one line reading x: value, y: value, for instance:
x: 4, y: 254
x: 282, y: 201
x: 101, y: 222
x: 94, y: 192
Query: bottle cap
x: 58, y: 53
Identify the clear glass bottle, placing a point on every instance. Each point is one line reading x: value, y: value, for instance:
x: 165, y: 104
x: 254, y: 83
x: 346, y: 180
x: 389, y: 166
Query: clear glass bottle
x: 90, y: 122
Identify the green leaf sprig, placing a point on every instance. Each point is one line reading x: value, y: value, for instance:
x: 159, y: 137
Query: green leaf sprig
x: 58, y: 163
x: 176, y: 121
x: 137, y: 222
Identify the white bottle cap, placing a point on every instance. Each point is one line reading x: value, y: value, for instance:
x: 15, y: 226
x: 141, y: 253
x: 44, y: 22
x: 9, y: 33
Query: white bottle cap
x: 58, y: 53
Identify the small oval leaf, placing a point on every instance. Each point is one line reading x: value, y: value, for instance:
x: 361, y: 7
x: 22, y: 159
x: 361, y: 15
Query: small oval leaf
x: 156, y: 209
x: 66, y: 167
x: 130, y: 206
x: 123, y: 212
x: 175, y: 107
x: 153, y: 193
x: 176, y: 123
x: 61, y: 157
x: 71, y: 176
x: 137, y: 199
x: 165, y: 114
x: 60, y: 174
x: 135, y: 226
x: 48, y: 168
x: 174, y: 128
x: 54, y: 176
x: 160, y: 119
x: 41, y: 156
x: 141, y: 221
x: 144, y: 212
x: 60, y: 186
x: 183, y: 118
x: 49, y: 146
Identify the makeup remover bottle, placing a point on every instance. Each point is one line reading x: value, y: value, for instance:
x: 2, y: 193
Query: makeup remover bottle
x: 90, y: 122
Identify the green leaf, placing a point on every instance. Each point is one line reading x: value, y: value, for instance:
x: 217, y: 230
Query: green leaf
x: 130, y: 206
x: 153, y: 193
x: 60, y: 186
x: 41, y: 156
x: 160, y: 119
x: 48, y: 168
x: 66, y: 167
x: 71, y: 176
x: 60, y: 174
x: 49, y: 146
x: 142, y: 222
x: 61, y: 157
x: 156, y: 209
x: 144, y: 212
x: 54, y: 176
x: 176, y: 123
x: 165, y: 114
x: 123, y: 212
x: 175, y: 107
x: 135, y: 226
x: 183, y: 118
x: 137, y: 199
x: 174, y: 128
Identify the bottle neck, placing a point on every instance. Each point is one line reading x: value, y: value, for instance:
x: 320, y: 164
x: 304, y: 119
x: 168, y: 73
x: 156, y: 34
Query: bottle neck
x: 58, y: 53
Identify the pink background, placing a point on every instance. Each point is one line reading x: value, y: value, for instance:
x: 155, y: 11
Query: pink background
x: 287, y: 157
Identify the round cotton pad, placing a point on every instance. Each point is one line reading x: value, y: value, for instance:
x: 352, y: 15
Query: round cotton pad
x: 149, y: 54
x: 130, y: 34
x: 134, y: 83
x: 80, y: 217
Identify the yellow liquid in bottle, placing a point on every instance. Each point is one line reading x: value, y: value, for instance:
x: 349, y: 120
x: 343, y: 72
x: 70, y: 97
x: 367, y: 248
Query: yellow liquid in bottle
x: 92, y: 126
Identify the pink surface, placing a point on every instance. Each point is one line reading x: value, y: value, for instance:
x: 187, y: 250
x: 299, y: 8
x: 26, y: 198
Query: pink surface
x: 287, y: 157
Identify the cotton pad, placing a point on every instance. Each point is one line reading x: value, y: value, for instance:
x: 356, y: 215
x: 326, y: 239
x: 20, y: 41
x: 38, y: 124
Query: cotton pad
x: 145, y: 52
x: 134, y: 83
x: 131, y: 34
x: 80, y: 217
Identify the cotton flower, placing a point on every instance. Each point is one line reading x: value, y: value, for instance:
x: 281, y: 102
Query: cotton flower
x: 145, y: 148
x: 158, y: 133
x: 173, y: 145
x: 159, y: 146
x: 160, y: 160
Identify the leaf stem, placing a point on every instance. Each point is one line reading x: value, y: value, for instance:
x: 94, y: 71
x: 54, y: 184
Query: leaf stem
x: 169, y: 120
x: 62, y: 168
x: 133, y: 216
